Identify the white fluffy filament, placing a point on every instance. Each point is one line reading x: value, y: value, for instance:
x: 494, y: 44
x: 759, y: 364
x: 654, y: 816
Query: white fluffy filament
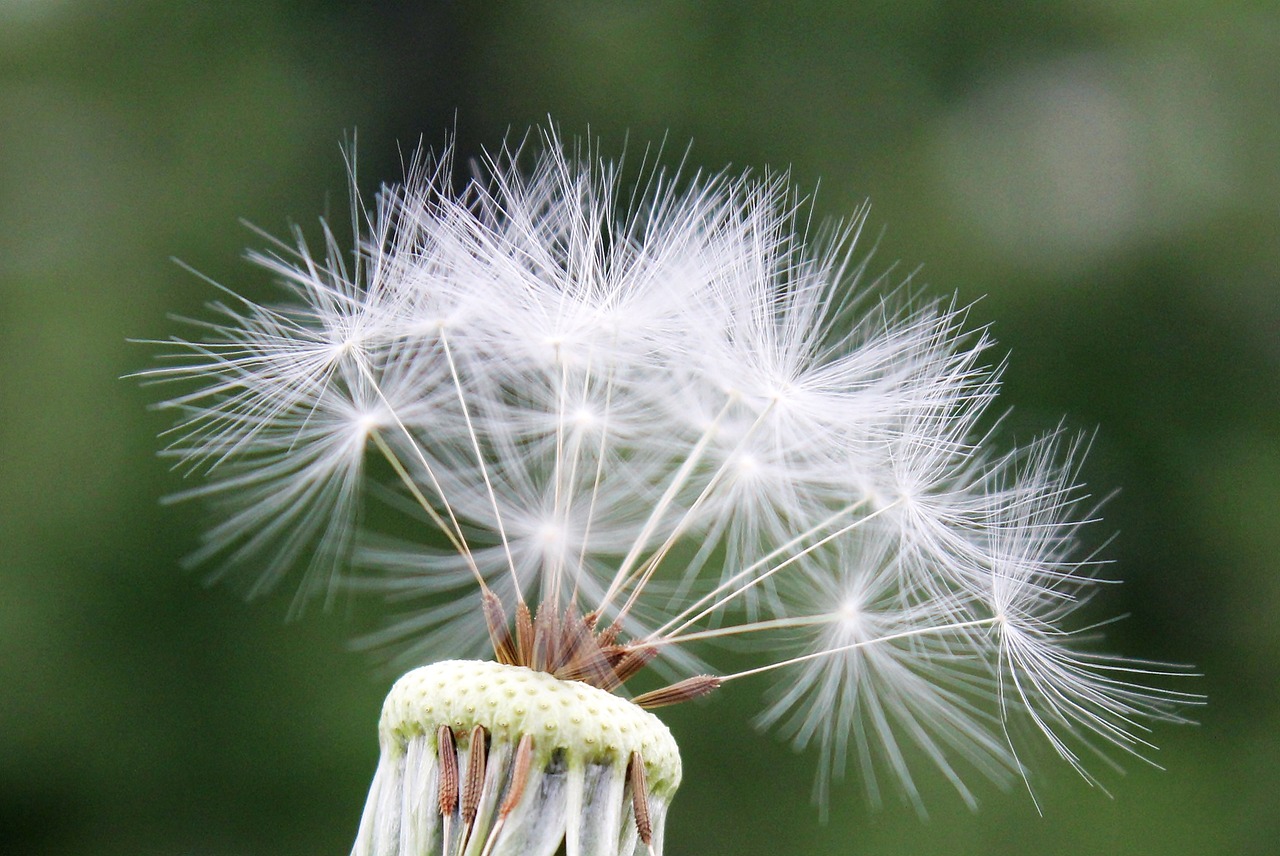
x: 604, y: 391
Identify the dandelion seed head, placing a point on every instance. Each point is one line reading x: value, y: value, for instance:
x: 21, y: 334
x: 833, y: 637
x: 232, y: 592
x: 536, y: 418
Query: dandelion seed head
x: 622, y: 423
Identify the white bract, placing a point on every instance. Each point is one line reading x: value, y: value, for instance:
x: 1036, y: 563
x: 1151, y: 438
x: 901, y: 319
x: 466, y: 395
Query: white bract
x: 620, y: 423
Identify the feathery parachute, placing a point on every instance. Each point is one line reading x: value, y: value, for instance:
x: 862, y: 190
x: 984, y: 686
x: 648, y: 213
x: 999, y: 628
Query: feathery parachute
x: 628, y: 421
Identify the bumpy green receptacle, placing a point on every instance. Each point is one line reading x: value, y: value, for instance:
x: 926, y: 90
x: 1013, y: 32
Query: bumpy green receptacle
x: 588, y: 724
x: 576, y: 788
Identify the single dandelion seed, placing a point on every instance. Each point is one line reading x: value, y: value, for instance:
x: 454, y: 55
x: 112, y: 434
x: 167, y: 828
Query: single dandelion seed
x: 627, y: 423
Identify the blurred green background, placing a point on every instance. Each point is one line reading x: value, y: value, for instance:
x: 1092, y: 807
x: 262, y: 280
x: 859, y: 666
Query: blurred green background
x: 1106, y: 173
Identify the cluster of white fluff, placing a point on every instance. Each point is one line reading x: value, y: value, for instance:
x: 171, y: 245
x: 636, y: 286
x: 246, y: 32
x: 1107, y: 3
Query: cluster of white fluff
x: 663, y: 403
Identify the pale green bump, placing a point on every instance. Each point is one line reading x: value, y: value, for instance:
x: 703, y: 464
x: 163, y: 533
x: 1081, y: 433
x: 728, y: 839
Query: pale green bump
x: 588, y: 724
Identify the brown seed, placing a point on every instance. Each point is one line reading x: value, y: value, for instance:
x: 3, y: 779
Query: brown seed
x: 686, y: 690
x: 524, y: 633
x: 640, y: 798
x: 476, y: 763
x: 448, y: 754
x: 495, y: 616
x: 519, y: 775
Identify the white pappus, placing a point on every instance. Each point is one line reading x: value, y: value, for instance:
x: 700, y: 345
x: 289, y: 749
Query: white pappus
x: 627, y: 422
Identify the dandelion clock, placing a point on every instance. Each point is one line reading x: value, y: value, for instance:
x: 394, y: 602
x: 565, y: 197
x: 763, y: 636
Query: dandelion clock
x: 586, y: 434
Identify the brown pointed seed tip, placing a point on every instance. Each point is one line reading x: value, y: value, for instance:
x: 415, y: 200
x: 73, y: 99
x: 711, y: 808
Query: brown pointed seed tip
x: 495, y: 616
x: 681, y: 691
x: 448, y: 753
x: 476, y: 764
x: 640, y: 799
x: 519, y: 775
x: 524, y: 631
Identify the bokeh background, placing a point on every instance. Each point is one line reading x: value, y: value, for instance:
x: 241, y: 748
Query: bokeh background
x: 1106, y: 174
